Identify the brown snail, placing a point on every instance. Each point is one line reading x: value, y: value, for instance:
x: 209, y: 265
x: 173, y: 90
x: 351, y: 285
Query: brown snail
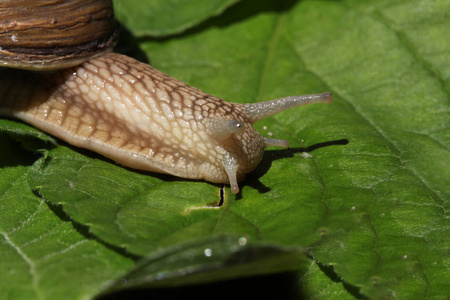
x: 119, y: 107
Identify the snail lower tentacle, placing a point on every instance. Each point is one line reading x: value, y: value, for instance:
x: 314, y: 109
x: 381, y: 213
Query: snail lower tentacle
x: 144, y: 119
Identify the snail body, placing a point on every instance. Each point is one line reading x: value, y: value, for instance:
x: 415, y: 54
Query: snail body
x: 144, y: 119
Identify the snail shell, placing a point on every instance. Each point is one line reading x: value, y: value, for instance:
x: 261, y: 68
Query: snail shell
x: 51, y: 34
x: 144, y: 119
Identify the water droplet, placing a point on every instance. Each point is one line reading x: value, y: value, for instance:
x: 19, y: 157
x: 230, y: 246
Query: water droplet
x: 208, y: 252
x: 306, y: 155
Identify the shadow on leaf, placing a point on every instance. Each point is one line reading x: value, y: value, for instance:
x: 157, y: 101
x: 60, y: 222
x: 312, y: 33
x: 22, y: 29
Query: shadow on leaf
x: 272, y: 155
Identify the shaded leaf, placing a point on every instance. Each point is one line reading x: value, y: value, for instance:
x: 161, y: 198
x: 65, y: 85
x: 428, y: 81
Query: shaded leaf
x: 213, y: 259
x: 157, y: 17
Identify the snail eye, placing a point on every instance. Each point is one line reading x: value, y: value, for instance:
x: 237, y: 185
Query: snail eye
x: 222, y: 129
x: 235, y: 126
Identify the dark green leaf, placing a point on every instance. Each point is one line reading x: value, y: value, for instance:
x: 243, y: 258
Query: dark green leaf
x: 166, y: 17
x: 218, y: 258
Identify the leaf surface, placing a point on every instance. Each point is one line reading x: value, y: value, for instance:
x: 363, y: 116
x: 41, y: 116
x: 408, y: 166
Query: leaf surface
x: 364, y: 186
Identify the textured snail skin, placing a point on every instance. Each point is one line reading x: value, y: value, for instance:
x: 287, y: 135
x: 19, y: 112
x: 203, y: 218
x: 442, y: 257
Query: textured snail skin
x: 144, y: 119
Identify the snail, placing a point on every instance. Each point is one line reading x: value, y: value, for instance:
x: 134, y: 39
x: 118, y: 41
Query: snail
x: 62, y: 77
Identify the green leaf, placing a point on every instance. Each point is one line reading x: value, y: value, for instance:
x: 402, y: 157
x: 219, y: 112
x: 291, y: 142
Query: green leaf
x: 42, y: 255
x: 218, y: 258
x: 124, y: 208
x: 365, y: 185
x: 317, y: 284
x: 157, y: 17
x: 19, y: 130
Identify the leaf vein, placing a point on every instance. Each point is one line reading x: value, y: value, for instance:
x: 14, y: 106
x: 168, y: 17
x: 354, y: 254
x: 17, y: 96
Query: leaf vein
x: 30, y: 263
